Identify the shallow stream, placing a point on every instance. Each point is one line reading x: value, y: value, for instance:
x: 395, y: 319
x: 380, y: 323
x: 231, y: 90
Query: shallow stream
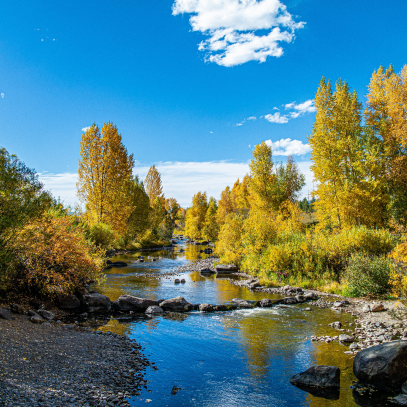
x: 234, y: 358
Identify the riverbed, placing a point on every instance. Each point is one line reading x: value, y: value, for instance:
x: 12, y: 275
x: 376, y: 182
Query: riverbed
x: 233, y: 358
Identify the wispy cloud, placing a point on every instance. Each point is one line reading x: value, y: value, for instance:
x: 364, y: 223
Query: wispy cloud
x: 85, y: 129
x: 276, y: 118
x: 233, y: 28
x: 288, y: 147
x: 251, y: 118
x: 2, y: 95
x: 300, y: 109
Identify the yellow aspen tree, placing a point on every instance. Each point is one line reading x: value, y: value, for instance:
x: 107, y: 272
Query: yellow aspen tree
x: 104, y: 174
x: 211, y: 228
x: 195, y: 218
x: 139, y: 219
x: 226, y: 205
x: 153, y: 184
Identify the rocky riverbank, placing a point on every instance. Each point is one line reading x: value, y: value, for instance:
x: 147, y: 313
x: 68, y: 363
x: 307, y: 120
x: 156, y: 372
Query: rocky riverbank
x: 62, y: 365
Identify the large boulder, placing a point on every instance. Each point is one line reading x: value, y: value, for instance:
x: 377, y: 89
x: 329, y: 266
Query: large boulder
x: 178, y: 304
x: 5, y: 314
x: 48, y: 315
x: 131, y: 303
x: 318, y: 376
x: 68, y: 301
x: 382, y: 367
x: 226, y: 268
x: 95, y: 302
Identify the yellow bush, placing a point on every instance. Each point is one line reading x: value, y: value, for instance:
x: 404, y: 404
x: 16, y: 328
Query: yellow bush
x: 229, y: 245
x: 398, y: 275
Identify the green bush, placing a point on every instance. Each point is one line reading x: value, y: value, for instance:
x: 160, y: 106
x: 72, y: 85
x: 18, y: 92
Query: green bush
x: 368, y: 275
x: 102, y: 235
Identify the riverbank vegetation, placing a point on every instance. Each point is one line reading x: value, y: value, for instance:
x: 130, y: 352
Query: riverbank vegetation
x: 49, y: 250
x: 351, y: 238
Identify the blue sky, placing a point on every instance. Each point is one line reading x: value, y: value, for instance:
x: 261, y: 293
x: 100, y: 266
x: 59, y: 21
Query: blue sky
x: 183, y: 80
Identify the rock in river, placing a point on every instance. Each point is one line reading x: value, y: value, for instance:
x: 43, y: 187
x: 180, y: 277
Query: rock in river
x: 178, y: 304
x: 383, y: 367
x: 346, y: 338
x: 154, y: 309
x: 206, y: 307
x: 318, y: 376
x: 97, y: 303
x: 226, y: 268
x: 131, y: 303
x: 265, y: 303
x: 242, y: 303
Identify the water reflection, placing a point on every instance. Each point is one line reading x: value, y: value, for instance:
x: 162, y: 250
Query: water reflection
x: 235, y: 358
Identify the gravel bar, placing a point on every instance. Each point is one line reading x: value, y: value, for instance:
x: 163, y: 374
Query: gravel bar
x: 60, y: 365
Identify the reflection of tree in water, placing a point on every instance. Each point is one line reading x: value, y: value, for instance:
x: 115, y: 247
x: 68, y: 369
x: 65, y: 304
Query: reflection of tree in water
x: 193, y: 252
x: 116, y: 327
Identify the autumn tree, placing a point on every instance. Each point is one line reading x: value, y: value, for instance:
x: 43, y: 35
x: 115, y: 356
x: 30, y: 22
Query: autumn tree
x: 104, y: 176
x: 195, y: 217
x: 153, y: 184
x: 139, y: 219
x: 211, y: 227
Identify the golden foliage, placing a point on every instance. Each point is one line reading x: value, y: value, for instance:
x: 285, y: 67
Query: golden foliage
x: 54, y: 257
x: 195, y: 218
x: 104, y: 175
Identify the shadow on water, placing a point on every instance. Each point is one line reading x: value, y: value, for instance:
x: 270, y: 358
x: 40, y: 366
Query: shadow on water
x: 235, y: 358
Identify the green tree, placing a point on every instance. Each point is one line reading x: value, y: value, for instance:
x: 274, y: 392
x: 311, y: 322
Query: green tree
x: 139, y: 219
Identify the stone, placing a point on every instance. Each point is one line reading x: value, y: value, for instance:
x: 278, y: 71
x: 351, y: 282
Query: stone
x: 177, y: 281
x: 32, y: 313
x: 177, y: 304
x: 288, y: 300
x: 206, y: 308
x: 311, y: 296
x: 70, y: 301
x: 404, y: 388
x: 154, y: 309
x: 377, y: 307
x: 242, y: 303
x: 17, y: 309
x: 6, y: 314
x: 131, y: 303
x: 318, y: 376
x: 220, y: 308
x: 254, y: 285
x: 36, y: 319
x: 401, y: 400
x: 300, y: 299
x: 336, y: 325
x: 97, y: 303
x: 338, y: 304
x: 353, y: 346
x: 183, y: 281
x: 346, y: 338
x: 366, y: 308
x: 266, y: 303
x: 226, y: 268
x: 382, y: 367
x: 48, y: 315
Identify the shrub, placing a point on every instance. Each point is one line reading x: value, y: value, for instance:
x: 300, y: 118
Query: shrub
x: 399, y: 272
x: 368, y: 275
x: 102, y: 235
x: 53, y: 255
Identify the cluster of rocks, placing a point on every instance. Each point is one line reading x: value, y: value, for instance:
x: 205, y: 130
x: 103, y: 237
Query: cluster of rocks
x: 199, y: 265
x: 382, y: 367
x: 52, y: 365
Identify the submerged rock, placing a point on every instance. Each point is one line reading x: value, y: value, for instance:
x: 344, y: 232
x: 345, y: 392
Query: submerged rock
x: 318, y: 376
x: 154, y: 309
x: 382, y: 367
x: 178, y: 304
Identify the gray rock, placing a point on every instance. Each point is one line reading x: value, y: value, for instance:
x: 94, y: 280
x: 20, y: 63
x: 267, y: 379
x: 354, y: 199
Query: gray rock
x: 404, y: 388
x: 97, y: 303
x: 300, y: 299
x: 207, y: 271
x: 154, y: 309
x: 68, y: 301
x: 383, y: 367
x: 5, y: 314
x: 353, y: 346
x: 288, y: 300
x: 336, y: 325
x: 226, y: 268
x: 178, y: 304
x: 266, y: 302
x: 17, y: 309
x: 183, y: 281
x: 36, y: 319
x: 311, y: 296
x: 242, y: 303
x: 48, y: 315
x: 177, y: 281
x: 366, y: 308
x: 401, y: 400
x: 254, y: 285
x: 131, y: 303
x: 318, y: 376
x: 346, y: 338
x: 32, y: 313
x: 206, y: 308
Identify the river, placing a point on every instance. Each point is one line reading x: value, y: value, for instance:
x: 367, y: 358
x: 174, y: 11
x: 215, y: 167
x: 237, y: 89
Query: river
x: 225, y: 359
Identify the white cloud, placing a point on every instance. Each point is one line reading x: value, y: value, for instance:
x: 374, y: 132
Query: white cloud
x: 252, y: 118
x: 288, y: 147
x: 239, y: 124
x: 85, y: 129
x: 276, y: 118
x: 231, y: 26
x: 2, y: 95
